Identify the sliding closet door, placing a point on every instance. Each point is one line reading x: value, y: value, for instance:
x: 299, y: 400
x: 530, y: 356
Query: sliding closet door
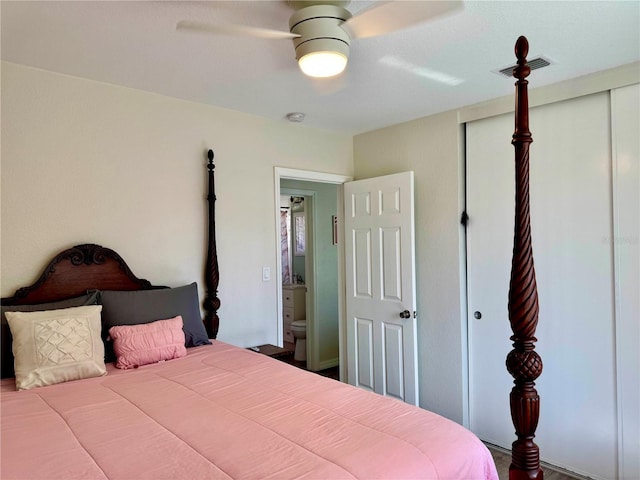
x: 571, y: 219
x: 625, y: 120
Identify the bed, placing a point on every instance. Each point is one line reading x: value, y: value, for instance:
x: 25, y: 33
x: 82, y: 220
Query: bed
x: 218, y: 411
x: 199, y: 408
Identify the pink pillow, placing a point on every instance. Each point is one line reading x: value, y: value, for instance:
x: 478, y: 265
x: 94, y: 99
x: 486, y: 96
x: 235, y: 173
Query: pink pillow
x: 136, y: 345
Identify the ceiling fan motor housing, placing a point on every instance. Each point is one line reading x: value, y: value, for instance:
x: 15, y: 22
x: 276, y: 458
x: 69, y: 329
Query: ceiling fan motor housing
x: 319, y: 27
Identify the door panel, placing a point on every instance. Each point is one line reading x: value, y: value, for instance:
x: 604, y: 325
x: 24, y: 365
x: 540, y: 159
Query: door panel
x: 364, y: 349
x: 394, y: 386
x: 380, y: 284
x: 391, y: 271
x: 362, y: 267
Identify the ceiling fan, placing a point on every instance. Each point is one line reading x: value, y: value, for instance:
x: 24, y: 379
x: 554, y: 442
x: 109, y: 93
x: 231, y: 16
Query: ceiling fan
x: 322, y: 30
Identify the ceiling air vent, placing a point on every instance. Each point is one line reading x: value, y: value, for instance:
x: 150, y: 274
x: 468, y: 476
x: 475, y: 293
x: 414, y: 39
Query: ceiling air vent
x: 534, y: 64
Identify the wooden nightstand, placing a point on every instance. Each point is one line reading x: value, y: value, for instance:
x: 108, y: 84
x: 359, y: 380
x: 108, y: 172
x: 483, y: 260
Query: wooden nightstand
x: 273, y: 351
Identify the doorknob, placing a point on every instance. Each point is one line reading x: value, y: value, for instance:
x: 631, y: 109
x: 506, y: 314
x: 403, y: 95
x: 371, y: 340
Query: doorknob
x: 405, y: 314
x: 477, y: 315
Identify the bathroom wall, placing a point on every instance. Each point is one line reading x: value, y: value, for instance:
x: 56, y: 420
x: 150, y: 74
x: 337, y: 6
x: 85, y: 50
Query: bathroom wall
x: 325, y: 348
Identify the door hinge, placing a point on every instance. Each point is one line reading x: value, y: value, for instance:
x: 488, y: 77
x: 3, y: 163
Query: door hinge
x: 464, y: 218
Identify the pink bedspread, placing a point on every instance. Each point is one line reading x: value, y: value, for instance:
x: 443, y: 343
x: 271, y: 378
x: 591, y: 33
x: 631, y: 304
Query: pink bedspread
x: 226, y: 412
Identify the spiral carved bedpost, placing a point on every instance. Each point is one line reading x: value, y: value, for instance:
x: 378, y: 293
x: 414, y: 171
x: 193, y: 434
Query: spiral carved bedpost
x: 212, y: 276
x: 523, y: 362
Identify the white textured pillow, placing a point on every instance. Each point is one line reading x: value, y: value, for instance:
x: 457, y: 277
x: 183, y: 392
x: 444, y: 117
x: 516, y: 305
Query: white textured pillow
x: 56, y: 346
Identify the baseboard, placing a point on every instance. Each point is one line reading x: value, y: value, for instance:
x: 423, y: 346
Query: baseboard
x: 334, y: 362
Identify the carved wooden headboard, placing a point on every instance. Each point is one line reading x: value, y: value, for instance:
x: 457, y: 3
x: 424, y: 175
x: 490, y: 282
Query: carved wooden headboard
x: 78, y: 269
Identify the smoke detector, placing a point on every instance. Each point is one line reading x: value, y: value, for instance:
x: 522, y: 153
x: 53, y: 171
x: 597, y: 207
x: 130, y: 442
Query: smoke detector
x: 295, y: 117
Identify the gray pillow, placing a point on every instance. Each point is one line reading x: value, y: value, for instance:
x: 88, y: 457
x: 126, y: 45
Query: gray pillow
x: 6, y: 354
x: 145, y: 306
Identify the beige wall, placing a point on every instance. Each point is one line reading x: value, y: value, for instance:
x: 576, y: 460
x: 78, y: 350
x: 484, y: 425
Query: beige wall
x: 429, y: 147
x: 433, y: 147
x: 88, y: 162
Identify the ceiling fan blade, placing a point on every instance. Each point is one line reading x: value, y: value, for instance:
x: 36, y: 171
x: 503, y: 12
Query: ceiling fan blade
x: 388, y: 17
x: 233, y: 30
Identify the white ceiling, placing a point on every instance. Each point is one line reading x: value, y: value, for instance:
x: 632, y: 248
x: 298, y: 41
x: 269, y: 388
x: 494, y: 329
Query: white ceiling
x: 433, y: 67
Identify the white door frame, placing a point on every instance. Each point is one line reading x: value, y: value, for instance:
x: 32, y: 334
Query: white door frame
x: 319, y: 177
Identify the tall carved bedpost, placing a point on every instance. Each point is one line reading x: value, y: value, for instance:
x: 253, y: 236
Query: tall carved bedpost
x: 212, y: 276
x: 523, y: 362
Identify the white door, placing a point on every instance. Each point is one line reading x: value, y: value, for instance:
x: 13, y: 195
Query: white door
x: 571, y: 226
x: 380, y: 285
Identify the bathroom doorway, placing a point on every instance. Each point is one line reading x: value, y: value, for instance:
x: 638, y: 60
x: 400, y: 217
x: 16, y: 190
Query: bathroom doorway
x: 317, y: 266
x: 296, y: 262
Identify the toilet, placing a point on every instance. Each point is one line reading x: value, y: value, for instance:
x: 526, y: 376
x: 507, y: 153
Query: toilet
x: 299, y: 331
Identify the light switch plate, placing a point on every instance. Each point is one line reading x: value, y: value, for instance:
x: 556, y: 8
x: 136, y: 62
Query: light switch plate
x: 266, y: 274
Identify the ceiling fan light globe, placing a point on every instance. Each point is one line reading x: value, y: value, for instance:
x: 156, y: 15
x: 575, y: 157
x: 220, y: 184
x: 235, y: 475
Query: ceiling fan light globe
x: 322, y: 64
